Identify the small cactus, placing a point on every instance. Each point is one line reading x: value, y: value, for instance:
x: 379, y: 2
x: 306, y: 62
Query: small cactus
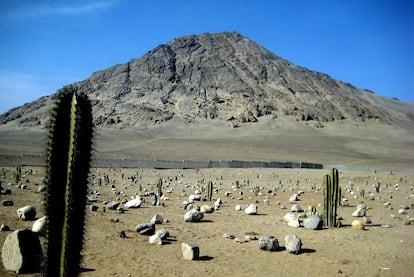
x: 210, y: 191
x: 159, y: 187
x: 332, y: 195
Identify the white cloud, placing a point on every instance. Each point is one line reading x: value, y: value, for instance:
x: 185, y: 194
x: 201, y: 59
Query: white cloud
x: 55, y: 8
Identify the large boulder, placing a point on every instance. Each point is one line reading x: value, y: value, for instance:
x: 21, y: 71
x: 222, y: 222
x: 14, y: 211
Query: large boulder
x: 22, y: 252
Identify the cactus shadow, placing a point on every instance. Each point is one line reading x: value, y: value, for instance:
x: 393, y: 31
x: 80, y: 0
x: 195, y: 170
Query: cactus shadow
x: 84, y: 269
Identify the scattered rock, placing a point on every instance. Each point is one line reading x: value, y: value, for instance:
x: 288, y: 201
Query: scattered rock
x: 296, y: 208
x: 366, y: 220
x: 154, y: 199
x: 7, y: 202
x: 93, y: 208
x: 360, y: 211
x: 294, y: 223
x: 147, y: 229
x: 163, y: 234
x: 22, y: 252
x: 408, y: 221
x: 402, y: 211
x: 217, y: 204
x: 113, y: 205
x: 251, y: 209
x: 190, y: 251
x: 229, y: 236
x: 159, y: 237
x: 268, y: 243
x: 157, y: 219
x: 26, y: 213
x: 39, y: 226
x: 237, y: 208
x: 193, y: 216
x: 294, y: 198
x: 293, y: 244
x: 357, y: 225
x: 206, y: 209
x: 289, y: 216
x: 134, y: 203
x: 313, y: 222
x: 4, y: 228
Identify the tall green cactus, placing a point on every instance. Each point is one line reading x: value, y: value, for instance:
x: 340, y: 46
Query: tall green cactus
x: 332, y: 197
x: 68, y: 162
x: 210, y: 190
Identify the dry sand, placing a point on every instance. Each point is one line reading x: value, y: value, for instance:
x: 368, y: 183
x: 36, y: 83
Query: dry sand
x: 375, y: 251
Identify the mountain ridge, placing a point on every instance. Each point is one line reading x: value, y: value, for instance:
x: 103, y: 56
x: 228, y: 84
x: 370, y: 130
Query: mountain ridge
x: 223, y: 76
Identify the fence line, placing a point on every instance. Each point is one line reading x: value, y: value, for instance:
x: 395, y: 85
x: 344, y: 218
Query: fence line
x: 40, y: 160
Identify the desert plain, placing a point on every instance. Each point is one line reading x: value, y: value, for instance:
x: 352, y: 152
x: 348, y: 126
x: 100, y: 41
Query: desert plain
x: 383, y: 248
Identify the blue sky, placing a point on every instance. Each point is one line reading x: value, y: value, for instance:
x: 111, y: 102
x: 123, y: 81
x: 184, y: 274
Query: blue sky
x: 45, y: 45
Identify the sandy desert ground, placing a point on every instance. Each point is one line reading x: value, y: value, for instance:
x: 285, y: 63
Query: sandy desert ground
x: 384, y: 248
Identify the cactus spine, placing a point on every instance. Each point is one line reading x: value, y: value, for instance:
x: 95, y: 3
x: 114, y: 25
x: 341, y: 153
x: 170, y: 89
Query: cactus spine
x: 332, y: 195
x: 210, y: 190
x: 68, y: 161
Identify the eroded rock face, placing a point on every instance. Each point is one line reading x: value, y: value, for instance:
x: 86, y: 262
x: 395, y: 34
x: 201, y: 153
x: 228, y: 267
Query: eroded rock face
x: 223, y: 76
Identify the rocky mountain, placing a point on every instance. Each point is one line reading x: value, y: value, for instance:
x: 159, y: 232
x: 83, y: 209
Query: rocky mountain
x: 223, y: 77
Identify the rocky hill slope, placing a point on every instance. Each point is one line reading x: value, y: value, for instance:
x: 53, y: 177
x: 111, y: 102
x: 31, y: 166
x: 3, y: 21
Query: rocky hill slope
x: 222, y: 97
x: 223, y: 77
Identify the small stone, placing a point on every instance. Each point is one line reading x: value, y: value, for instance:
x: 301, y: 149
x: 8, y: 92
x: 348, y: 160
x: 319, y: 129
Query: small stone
x: 402, y: 211
x: 163, y: 234
x: 313, y: 222
x: 4, y: 228
x: 113, y: 205
x: 229, y: 236
x: 289, y: 216
x: 154, y: 199
x: 91, y: 198
x: 193, y: 216
x: 26, y: 213
x: 366, y: 220
x: 293, y: 244
x: 145, y: 228
x: 194, y: 197
x: 251, y: 209
x: 268, y: 243
x: 357, y: 225
x: 190, y: 251
x: 93, y: 208
x: 217, y: 204
x: 7, y: 203
x: 155, y: 239
x: 157, y: 219
x: 206, y: 209
x: 237, y: 208
x: 39, y: 226
x: 294, y: 198
x: 294, y: 223
x: 359, y: 212
x: 134, y: 203
x: 22, y: 252
x: 296, y: 208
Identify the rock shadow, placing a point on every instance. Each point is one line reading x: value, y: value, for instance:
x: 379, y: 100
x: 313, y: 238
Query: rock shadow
x: 204, y: 258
